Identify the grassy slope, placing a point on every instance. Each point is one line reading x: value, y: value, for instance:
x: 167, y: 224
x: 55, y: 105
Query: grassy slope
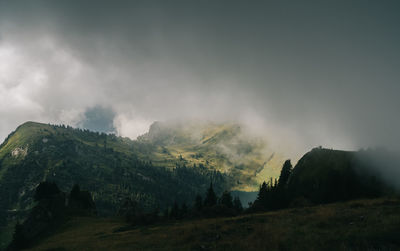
x: 30, y: 132
x: 46, y: 147
x: 221, y: 146
x: 355, y: 225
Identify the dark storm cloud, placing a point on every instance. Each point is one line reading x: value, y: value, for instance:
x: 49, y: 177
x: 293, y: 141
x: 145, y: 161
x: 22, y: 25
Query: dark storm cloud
x: 304, y: 73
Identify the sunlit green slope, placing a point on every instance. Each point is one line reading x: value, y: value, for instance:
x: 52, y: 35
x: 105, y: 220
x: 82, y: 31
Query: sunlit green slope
x: 226, y: 147
x: 173, y: 159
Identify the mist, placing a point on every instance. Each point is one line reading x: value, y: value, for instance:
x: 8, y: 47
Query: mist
x: 299, y: 74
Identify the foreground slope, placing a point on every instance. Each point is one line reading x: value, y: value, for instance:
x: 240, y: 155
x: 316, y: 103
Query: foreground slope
x: 356, y: 225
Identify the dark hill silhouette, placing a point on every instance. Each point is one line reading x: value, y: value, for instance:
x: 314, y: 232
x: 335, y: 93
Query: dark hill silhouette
x: 53, y: 208
x: 324, y: 176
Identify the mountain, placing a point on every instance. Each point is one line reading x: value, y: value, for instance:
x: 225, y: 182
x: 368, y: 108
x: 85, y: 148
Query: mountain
x: 173, y: 161
x: 326, y: 175
x: 226, y: 147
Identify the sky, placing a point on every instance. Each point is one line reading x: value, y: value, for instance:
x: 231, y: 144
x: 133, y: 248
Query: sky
x: 301, y: 73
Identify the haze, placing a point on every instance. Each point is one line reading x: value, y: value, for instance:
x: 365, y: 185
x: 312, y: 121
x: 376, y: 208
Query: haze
x: 300, y: 73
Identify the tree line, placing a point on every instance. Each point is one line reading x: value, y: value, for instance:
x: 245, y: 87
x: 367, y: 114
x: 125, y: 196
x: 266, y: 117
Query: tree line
x: 210, y: 206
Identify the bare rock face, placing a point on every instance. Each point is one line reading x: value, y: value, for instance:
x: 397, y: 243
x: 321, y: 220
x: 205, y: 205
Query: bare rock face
x: 19, y: 152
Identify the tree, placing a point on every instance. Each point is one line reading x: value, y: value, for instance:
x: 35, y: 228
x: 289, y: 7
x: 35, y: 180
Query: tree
x: 81, y: 201
x: 262, y: 192
x: 75, y: 191
x: 237, y: 204
x: 198, y: 203
x: 263, y: 197
x: 184, y: 210
x: 175, y: 211
x: 46, y: 190
x: 285, y: 174
x: 19, y: 240
x: 211, y: 198
x: 129, y: 209
x: 226, y: 199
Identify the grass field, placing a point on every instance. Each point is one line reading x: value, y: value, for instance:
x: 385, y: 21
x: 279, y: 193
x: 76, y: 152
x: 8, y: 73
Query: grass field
x: 355, y: 225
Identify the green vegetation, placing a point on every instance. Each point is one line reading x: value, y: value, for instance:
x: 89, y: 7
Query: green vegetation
x: 211, y: 206
x: 112, y: 167
x: 52, y: 209
x: 323, y: 176
x: 159, y: 178
x: 168, y: 160
x: 225, y: 147
x: 356, y: 225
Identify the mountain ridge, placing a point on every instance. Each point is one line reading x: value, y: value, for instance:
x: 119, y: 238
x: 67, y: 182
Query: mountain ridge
x: 114, y: 167
x: 168, y: 160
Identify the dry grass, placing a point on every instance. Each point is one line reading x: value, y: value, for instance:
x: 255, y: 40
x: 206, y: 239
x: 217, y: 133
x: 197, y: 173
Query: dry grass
x: 356, y: 225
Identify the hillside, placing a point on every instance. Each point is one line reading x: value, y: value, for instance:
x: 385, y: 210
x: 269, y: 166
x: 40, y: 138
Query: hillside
x: 179, y: 160
x: 356, y: 225
x: 226, y: 147
x: 109, y: 166
x: 326, y: 175
x: 101, y: 162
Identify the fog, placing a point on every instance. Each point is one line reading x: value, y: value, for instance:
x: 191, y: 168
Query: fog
x: 301, y: 74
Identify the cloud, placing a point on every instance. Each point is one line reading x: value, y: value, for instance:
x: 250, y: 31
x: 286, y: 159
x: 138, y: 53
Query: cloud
x: 131, y: 126
x: 302, y: 74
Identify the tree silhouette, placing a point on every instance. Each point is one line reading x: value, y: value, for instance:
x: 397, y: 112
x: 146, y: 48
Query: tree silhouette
x: 175, y: 211
x: 46, y: 190
x: 211, y: 198
x: 184, y: 210
x: 226, y: 199
x: 19, y: 240
x: 237, y: 204
x: 75, y: 191
x: 261, y: 196
x: 285, y: 174
x: 198, y: 203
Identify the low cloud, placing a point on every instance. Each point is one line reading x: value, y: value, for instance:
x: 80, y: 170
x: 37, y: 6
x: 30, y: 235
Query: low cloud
x: 294, y: 73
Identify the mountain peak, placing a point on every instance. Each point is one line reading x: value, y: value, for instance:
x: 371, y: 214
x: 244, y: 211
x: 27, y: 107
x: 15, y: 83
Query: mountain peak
x: 24, y: 135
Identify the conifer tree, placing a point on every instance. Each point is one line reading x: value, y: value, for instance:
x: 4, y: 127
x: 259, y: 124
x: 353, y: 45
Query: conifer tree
x: 198, y: 204
x: 184, y: 210
x: 285, y: 174
x: 226, y: 199
x: 211, y: 198
x: 262, y: 197
x: 19, y: 240
x: 75, y: 191
x: 237, y: 204
x: 175, y: 211
x: 46, y: 190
